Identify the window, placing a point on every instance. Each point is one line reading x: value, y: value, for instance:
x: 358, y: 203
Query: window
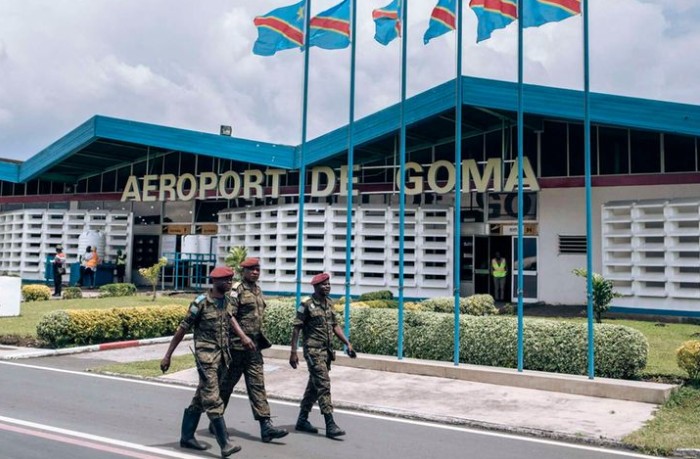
x: 679, y: 153
x: 554, y: 150
x: 576, y: 150
x: 613, y: 151
x: 572, y: 245
x: 646, y: 152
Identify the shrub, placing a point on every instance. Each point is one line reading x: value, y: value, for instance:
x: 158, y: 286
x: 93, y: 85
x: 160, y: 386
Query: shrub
x: 561, y: 347
x: 117, y: 290
x: 70, y: 293
x: 382, y: 304
x: 478, y: 305
x: 475, y: 305
x: 603, y: 293
x: 378, y: 295
x: 233, y: 260
x: 688, y: 358
x: 36, y: 293
x: 92, y: 326
x: 152, y: 274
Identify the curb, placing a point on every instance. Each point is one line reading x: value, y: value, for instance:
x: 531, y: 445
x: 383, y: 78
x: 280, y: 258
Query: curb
x: 92, y: 348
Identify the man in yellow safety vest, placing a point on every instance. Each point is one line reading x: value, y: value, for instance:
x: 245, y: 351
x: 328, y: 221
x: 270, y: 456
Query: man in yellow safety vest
x: 499, y: 271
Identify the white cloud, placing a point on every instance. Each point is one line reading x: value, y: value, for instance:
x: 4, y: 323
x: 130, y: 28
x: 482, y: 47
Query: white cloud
x: 189, y: 65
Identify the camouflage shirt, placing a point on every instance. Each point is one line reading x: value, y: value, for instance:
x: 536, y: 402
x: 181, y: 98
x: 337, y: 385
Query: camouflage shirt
x: 209, y: 318
x: 316, y: 318
x: 248, y: 309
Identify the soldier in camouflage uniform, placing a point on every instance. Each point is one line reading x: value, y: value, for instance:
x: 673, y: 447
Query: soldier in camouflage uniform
x: 316, y: 320
x: 211, y: 317
x: 248, y: 309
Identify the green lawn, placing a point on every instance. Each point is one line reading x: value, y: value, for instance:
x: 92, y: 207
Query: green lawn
x: 31, y: 312
x: 674, y: 426
x: 664, y: 339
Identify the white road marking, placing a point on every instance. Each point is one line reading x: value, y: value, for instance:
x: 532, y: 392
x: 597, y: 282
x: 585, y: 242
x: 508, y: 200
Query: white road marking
x: 98, y: 439
x: 360, y: 414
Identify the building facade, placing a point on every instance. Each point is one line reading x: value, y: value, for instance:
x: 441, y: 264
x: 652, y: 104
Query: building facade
x: 192, y: 196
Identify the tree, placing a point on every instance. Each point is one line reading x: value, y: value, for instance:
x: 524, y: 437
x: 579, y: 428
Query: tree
x: 603, y: 293
x: 152, y: 274
x: 233, y: 260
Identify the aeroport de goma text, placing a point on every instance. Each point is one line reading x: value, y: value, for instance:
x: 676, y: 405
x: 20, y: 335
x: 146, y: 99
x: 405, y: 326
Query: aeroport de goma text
x: 253, y: 183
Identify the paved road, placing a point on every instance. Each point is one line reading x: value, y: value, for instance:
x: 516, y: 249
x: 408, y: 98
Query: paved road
x: 73, y: 414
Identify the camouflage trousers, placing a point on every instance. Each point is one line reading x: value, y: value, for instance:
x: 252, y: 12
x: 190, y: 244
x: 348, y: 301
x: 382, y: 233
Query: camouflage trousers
x: 248, y: 364
x: 318, y: 388
x: 207, y: 398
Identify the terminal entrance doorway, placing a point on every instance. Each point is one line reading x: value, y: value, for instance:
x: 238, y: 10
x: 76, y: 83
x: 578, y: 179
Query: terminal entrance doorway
x: 485, y: 248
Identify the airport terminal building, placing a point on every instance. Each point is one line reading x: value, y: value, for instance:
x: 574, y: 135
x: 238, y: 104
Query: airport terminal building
x: 191, y: 196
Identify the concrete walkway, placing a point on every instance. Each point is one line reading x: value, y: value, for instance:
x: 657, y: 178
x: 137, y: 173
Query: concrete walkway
x: 574, y: 408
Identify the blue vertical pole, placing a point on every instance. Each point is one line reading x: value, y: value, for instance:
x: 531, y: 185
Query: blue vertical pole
x: 351, y: 162
x: 589, y: 214
x: 458, y: 179
x: 520, y: 187
x: 402, y: 169
x: 302, y: 159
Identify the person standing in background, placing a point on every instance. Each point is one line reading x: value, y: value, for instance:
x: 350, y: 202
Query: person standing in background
x: 58, y: 265
x: 121, y: 266
x: 91, y: 260
x: 499, y: 271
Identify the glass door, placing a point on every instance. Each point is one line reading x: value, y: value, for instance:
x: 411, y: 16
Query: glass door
x: 529, y: 267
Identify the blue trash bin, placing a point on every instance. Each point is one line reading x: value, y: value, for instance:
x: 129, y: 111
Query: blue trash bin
x: 74, y: 277
x: 104, y: 274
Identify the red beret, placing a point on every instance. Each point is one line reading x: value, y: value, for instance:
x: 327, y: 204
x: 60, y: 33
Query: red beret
x: 318, y: 278
x: 221, y: 272
x: 250, y: 262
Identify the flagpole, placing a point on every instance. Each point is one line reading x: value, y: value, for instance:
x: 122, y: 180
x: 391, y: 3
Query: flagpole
x: 351, y: 161
x: 459, y: 88
x: 402, y: 169
x: 589, y: 213
x: 302, y: 159
x: 520, y: 186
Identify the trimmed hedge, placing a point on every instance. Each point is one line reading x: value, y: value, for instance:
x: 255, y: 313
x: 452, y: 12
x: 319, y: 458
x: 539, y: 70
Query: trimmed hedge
x: 117, y: 290
x: 70, y: 293
x: 92, y: 326
x: 36, y: 292
x: 688, y: 358
x: 475, y: 305
x: 378, y: 295
x: 554, y: 346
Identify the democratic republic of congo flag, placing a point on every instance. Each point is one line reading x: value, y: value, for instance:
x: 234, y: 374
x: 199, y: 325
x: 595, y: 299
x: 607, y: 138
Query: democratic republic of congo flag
x: 538, y: 12
x: 492, y: 15
x: 331, y: 28
x: 442, y: 20
x: 280, y: 29
x: 388, y: 22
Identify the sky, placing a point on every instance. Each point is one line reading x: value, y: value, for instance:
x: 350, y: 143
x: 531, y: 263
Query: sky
x: 188, y: 64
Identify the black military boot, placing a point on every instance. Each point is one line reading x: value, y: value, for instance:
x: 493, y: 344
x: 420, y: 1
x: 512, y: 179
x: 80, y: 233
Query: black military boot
x: 227, y: 447
x: 268, y: 432
x: 332, y: 429
x: 190, y: 420
x: 303, y: 424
